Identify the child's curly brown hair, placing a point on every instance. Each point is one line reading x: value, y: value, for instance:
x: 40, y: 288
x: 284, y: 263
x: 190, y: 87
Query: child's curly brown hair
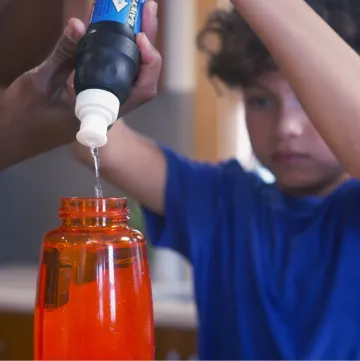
x: 241, y: 57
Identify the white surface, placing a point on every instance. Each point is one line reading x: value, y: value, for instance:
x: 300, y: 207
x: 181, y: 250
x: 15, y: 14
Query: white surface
x: 96, y: 109
x: 179, y: 45
x: 177, y: 267
x: 173, y: 304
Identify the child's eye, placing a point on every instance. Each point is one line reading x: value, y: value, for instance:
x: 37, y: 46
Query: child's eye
x: 258, y: 102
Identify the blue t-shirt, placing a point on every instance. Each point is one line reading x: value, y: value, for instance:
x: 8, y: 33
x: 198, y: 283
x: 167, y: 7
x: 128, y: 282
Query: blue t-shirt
x: 275, y: 277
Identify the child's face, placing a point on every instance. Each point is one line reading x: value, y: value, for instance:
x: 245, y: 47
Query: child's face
x: 284, y: 140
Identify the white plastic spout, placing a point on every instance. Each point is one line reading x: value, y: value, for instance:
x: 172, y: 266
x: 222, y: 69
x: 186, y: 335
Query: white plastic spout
x: 96, y: 109
x: 93, y: 131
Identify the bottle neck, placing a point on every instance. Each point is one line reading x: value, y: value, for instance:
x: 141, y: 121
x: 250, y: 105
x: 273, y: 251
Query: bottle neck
x: 93, y: 212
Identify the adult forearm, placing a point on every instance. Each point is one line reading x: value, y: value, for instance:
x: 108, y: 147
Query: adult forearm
x: 322, y: 69
x: 23, y: 136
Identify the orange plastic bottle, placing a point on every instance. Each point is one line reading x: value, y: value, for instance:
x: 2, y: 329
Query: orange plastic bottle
x: 94, y: 298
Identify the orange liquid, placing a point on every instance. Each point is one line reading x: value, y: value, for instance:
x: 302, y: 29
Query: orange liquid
x: 94, y: 300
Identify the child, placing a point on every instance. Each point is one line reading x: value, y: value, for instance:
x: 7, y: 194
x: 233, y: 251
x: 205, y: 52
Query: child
x: 275, y: 266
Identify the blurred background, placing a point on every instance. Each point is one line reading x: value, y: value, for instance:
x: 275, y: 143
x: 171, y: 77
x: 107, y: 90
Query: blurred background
x: 188, y: 115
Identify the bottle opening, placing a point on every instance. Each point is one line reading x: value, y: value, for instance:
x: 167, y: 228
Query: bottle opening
x: 94, y: 207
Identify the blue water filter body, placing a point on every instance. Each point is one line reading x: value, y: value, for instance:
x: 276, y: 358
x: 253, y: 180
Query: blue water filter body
x: 107, y: 64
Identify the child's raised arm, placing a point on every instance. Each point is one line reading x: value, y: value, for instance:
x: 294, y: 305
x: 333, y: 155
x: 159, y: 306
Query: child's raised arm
x: 322, y: 69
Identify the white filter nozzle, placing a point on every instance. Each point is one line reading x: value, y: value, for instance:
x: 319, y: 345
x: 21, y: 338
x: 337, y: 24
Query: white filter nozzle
x: 96, y: 109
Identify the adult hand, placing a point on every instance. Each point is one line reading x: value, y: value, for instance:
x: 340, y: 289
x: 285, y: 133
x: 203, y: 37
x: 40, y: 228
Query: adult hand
x: 37, y: 110
x: 145, y: 88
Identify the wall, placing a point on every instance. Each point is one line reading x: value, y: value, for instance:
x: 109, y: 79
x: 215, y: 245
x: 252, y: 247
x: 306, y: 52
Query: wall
x: 28, y: 32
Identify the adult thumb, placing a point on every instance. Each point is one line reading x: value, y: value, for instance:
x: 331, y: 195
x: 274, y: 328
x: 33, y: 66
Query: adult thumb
x: 60, y: 63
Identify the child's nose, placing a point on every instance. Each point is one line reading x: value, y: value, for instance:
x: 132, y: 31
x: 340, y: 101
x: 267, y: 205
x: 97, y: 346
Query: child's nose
x: 291, y: 123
